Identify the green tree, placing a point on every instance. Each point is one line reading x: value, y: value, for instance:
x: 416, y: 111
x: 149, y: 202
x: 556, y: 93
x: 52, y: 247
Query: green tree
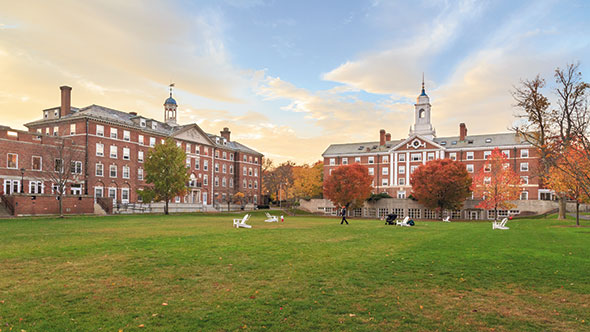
x: 166, y: 172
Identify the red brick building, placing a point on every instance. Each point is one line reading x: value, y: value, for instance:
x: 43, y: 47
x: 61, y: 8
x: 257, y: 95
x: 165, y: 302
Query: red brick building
x: 391, y: 162
x: 114, y: 145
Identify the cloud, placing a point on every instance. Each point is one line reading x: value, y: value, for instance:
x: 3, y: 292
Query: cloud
x: 388, y: 71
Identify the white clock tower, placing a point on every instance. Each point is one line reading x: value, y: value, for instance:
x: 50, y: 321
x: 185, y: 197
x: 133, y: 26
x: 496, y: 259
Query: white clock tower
x: 422, y: 125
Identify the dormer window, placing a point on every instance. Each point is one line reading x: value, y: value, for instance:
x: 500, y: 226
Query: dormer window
x: 443, y: 143
x: 454, y: 143
x: 154, y: 125
x: 488, y: 140
x: 45, y: 114
x: 55, y: 113
x: 142, y: 122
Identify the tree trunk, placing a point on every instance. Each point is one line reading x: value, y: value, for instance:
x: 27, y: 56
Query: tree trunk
x: 61, y: 214
x: 166, y: 207
x: 562, y: 208
x: 577, y: 213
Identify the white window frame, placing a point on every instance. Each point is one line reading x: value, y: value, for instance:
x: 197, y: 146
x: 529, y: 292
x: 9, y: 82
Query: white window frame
x: 469, y: 155
x: 126, y: 154
x: 99, y: 150
x: 469, y: 168
x: 125, y: 172
x: 111, y: 167
x: 524, y: 153
x: 100, y: 130
x: 524, y: 167
x: 114, y: 133
x: 126, y: 135
x: 111, y: 154
x: 97, y: 167
x: 371, y: 160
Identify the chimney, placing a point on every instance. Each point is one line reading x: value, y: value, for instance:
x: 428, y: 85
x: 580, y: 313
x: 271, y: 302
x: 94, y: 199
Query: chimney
x: 387, y: 137
x: 225, y: 133
x: 382, y: 137
x: 66, y: 100
x: 133, y: 113
x: 462, y: 132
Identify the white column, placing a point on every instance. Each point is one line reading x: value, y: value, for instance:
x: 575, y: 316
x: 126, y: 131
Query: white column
x: 407, y: 169
x: 442, y: 154
x: 423, y: 157
x: 394, y: 168
x: 437, y: 155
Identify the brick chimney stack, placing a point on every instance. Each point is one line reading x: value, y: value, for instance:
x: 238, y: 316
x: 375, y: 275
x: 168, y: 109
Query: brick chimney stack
x: 66, y: 100
x: 225, y: 133
x: 387, y: 137
x: 382, y: 137
x: 462, y: 132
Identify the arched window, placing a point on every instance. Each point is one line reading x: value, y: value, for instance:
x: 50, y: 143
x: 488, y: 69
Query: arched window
x: 421, y: 113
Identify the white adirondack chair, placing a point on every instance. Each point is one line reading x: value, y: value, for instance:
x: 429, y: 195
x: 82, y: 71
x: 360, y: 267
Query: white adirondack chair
x: 271, y: 218
x: 403, y: 222
x: 500, y: 225
x: 447, y: 219
x: 242, y: 222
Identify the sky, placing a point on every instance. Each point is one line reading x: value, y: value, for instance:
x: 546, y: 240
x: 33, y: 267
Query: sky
x: 288, y: 78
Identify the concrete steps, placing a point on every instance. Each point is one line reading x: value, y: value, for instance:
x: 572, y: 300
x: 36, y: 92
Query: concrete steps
x: 4, y: 212
x: 98, y: 210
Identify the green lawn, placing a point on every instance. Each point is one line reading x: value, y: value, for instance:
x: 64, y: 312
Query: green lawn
x: 197, y: 273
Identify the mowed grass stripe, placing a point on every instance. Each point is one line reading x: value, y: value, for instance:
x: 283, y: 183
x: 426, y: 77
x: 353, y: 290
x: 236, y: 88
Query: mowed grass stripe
x: 310, y: 273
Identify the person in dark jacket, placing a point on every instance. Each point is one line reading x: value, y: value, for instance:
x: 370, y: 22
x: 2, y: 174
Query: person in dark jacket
x: 343, y: 213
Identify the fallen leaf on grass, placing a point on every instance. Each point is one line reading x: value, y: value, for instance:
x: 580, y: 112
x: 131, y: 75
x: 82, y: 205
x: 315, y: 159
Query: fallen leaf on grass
x: 352, y: 315
x: 140, y: 325
x: 165, y: 303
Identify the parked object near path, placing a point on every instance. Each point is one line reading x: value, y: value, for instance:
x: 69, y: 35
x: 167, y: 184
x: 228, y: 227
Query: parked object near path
x: 447, y: 219
x: 282, y: 219
x: 271, y: 218
x: 390, y: 219
x: 242, y: 222
x: 500, y: 225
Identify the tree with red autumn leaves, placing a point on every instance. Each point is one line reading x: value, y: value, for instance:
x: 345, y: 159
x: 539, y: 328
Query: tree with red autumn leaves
x: 349, y: 185
x: 496, y: 183
x: 441, y: 184
x: 566, y: 177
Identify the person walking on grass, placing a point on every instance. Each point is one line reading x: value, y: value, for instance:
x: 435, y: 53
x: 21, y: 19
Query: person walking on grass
x: 343, y: 213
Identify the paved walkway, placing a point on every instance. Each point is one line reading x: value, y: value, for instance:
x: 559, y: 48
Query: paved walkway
x: 582, y: 216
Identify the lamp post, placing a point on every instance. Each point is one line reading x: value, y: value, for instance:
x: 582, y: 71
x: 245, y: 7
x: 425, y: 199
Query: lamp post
x: 22, y: 180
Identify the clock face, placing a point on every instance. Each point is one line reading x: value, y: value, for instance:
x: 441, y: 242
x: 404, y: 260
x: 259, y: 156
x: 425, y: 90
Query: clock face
x: 416, y: 143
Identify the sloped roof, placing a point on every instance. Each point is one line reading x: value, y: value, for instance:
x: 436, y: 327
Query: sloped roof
x: 359, y: 148
x: 232, y: 145
x: 478, y: 141
x: 125, y: 118
x: 471, y: 141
